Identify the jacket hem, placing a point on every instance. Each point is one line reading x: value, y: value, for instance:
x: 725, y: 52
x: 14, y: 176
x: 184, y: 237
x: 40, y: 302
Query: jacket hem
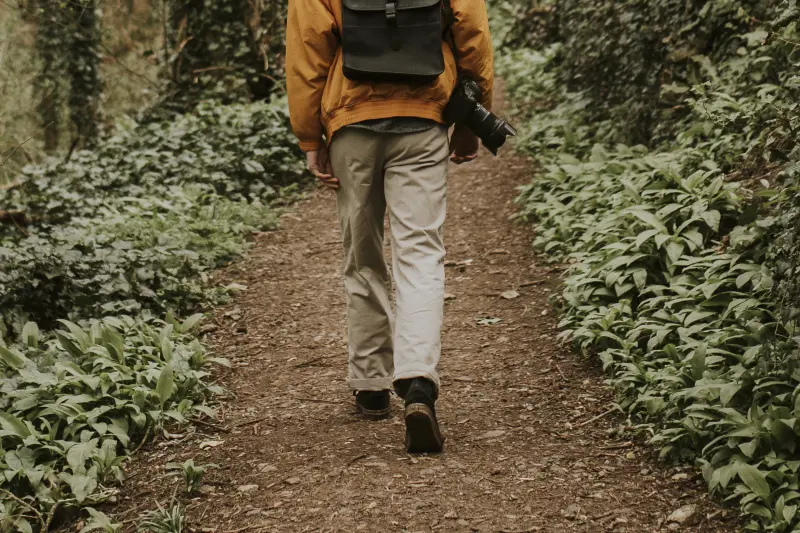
x: 379, y: 109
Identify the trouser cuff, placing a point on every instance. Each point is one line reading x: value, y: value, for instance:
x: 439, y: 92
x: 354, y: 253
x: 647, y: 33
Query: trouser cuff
x: 411, y: 374
x: 370, y: 384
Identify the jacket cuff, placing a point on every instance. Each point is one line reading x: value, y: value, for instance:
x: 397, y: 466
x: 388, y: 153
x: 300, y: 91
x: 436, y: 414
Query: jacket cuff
x: 310, y: 146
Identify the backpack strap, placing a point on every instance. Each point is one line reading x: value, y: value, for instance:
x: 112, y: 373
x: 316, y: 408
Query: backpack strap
x: 449, y: 15
x: 449, y: 20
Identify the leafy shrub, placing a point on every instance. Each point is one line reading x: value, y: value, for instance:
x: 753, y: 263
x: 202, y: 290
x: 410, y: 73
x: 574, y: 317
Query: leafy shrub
x: 634, y: 55
x: 238, y: 151
x: 191, y: 473
x: 155, y: 255
x: 72, y: 407
x: 137, y: 224
x: 675, y: 251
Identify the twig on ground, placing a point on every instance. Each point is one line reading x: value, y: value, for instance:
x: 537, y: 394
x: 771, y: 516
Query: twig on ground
x: 144, y: 439
x: 598, y: 417
x: 247, y: 528
x: 618, y: 446
x: 27, y: 506
x: 210, y: 425
x: 358, y: 458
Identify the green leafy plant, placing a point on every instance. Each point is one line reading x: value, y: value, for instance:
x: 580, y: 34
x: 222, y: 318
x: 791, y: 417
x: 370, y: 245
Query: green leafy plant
x: 120, y: 230
x: 164, y: 520
x: 73, y: 406
x: 192, y: 474
x: 682, y: 255
x: 100, y: 521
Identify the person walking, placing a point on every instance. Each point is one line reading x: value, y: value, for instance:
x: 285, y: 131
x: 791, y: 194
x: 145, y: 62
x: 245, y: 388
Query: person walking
x: 368, y: 82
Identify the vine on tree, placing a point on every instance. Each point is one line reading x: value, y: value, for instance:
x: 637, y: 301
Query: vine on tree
x: 68, y: 44
x: 228, y: 49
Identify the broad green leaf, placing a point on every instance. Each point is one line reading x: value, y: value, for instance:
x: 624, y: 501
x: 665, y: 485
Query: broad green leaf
x: 166, y: 385
x: 712, y: 218
x: 12, y: 358
x: 754, y: 479
x: 13, y: 424
x: 166, y: 349
x: 79, y: 453
x: 650, y: 219
x: 189, y: 324
x: 699, y: 362
x: 675, y: 251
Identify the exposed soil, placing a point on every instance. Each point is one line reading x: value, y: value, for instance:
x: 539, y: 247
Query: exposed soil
x: 527, y: 448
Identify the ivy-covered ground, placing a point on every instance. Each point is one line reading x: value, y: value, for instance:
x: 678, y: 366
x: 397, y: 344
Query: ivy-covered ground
x: 666, y: 142
x: 99, y: 256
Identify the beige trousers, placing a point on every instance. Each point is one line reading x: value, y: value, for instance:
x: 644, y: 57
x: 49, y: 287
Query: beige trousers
x: 408, y: 174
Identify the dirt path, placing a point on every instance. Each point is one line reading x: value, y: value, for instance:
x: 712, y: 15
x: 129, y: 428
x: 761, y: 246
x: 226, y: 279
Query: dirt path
x: 526, y: 450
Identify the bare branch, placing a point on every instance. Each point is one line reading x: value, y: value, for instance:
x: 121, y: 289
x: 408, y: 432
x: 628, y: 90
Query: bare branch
x: 20, y: 145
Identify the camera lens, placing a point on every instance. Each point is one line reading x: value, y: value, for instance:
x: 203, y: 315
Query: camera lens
x: 498, y: 137
x: 491, y: 129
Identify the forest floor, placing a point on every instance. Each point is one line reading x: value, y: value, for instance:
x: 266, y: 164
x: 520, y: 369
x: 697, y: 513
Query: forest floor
x: 528, y: 447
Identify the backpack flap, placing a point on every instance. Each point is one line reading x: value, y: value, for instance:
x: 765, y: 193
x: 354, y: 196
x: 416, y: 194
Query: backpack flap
x: 392, y: 40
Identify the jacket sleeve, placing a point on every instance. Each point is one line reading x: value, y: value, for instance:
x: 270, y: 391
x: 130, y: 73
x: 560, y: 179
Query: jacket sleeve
x: 310, y: 50
x: 473, y: 44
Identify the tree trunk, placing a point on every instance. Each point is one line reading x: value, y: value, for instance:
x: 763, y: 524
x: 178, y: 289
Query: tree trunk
x: 83, y: 63
x: 51, y: 36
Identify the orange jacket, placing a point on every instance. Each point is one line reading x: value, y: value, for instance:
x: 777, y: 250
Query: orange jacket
x: 322, y: 100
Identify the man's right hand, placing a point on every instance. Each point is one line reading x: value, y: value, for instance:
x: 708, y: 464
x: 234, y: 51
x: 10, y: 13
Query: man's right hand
x: 464, y: 145
x: 319, y: 163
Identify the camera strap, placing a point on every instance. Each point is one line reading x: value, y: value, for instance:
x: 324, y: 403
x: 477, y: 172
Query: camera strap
x: 449, y: 36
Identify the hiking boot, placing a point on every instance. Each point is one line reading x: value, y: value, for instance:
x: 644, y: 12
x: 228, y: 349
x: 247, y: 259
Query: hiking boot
x: 422, y: 428
x: 373, y: 404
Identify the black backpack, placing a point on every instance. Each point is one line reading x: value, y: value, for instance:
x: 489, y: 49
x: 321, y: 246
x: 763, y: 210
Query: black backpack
x: 394, y: 40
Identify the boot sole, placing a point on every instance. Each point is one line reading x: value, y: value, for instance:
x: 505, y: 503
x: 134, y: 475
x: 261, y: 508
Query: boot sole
x: 379, y: 414
x: 422, y: 430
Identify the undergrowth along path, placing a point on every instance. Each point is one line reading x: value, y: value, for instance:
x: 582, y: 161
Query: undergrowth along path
x: 528, y: 448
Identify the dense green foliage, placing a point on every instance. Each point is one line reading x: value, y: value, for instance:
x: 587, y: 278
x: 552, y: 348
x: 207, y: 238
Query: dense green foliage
x: 640, y: 58
x: 226, y: 49
x: 137, y: 223
x: 684, y: 253
x: 73, y: 407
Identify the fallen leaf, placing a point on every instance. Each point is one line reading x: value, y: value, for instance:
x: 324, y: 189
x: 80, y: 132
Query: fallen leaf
x: 246, y: 488
x: 211, y: 444
x: 509, y: 295
x: 492, y: 434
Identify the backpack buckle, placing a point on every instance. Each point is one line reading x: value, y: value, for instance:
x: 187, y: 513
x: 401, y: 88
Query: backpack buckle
x: 391, y: 13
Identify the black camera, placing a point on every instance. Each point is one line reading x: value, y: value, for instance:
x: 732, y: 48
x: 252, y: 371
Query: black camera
x: 464, y: 109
